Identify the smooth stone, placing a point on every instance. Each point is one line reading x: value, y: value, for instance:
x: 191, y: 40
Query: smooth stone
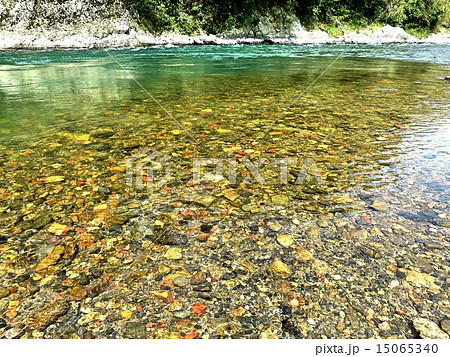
x: 429, y: 329
x: 370, y: 250
x: 231, y: 195
x: 41, y: 221
x: 359, y: 234
x: 304, y: 254
x: 135, y: 330
x: 102, y: 133
x: 323, y: 223
x: 422, y: 279
x: 131, y: 144
x: 401, y: 273
x: 198, y: 278
x: 285, y: 240
x: 163, y: 269
x: 50, y: 259
x: 83, y: 279
x: 4, y: 292
x: 313, y: 233
x: 54, y: 179
x: 181, y: 281
x: 78, y: 293
x: 434, y: 245
x: 46, y: 314
x: 412, y: 216
x: 205, y: 201
x: 173, y: 253
x: 182, y: 314
x: 429, y: 157
x: 274, y: 226
x: 204, y: 287
x: 168, y: 237
x: 445, y: 325
x: 203, y: 237
x: 280, y: 200
x: 117, y: 220
x: 104, y: 190
x: 279, y: 268
x: 206, y: 228
x: 379, y: 205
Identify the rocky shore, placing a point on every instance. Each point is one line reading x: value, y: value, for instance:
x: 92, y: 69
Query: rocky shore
x: 53, y: 39
x: 98, y: 24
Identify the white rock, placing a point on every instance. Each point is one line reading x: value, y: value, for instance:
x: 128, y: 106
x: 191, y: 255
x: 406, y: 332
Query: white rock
x: 429, y: 329
x: 393, y: 284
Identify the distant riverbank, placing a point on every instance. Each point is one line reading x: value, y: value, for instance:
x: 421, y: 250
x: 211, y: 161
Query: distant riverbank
x: 121, y: 35
x: 26, y: 24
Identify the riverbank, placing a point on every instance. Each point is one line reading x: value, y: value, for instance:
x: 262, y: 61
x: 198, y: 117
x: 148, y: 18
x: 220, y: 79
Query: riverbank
x: 27, y: 24
x: 120, y: 34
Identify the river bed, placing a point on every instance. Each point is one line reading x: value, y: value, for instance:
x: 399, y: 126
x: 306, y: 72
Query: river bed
x: 225, y: 192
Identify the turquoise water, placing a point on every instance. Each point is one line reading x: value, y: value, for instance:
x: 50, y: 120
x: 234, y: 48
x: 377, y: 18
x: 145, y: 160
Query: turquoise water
x: 39, y: 90
x: 226, y: 95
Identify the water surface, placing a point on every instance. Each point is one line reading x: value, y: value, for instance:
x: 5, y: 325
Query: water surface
x: 84, y: 254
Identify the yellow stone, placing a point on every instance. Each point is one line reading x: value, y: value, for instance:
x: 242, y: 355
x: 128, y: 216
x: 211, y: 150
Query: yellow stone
x: 268, y: 335
x: 175, y: 306
x: 58, y: 229
x: 236, y: 313
x: 46, y: 280
x: 163, y: 269
x: 13, y: 304
x: 159, y: 223
x: 78, y: 293
x: 50, y: 259
x: 176, y: 132
x: 91, y: 316
x: 126, y: 314
x: 101, y: 207
x: 76, y: 136
x: 52, y: 179
x: 422, y: 279
x: 223, y: 131
x: 343, y: 199
x: 304, y: 254
x: 173, y: 253
x: 117, y: 169
x: 285, y: 240
x: 230, y: 194
x: 279, y: 268
x: 11, y: 313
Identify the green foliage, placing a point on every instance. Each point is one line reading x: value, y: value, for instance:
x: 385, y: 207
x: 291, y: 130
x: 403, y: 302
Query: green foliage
x: 193, y: 16
x: 425, y: 14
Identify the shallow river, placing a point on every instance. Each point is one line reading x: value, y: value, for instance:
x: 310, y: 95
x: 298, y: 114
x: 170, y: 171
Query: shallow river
x: 224, y: 191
